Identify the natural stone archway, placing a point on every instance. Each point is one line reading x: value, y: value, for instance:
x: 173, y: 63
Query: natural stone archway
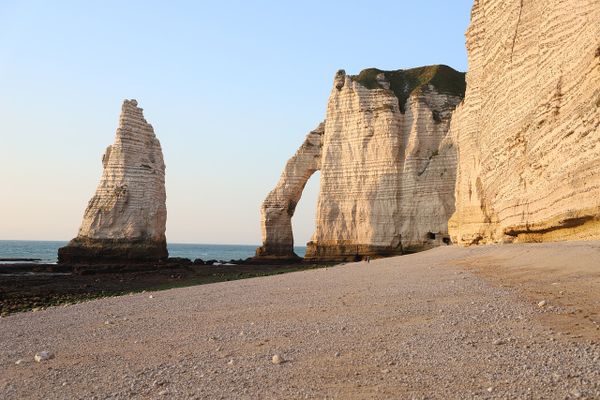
x: 279, y: 206
x: 387, y: 168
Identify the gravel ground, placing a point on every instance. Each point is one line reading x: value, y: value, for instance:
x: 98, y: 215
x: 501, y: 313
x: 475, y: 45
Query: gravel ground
x: 412, y: 327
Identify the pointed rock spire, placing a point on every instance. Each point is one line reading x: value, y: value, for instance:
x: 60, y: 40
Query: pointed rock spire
x: 125, y: 219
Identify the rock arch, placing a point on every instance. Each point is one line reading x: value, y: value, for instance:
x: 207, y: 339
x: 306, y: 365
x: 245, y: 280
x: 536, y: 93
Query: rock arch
x: 279, y: 206
x: 387, y: 168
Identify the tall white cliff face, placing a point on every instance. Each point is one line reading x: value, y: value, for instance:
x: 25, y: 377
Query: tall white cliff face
x: 387, y: 167
x: 528, y: 133
x: 387, y: 172
x: 126, y: 217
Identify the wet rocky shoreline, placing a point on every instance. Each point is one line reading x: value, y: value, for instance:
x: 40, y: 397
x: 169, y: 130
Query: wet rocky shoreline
x: 29, y: 286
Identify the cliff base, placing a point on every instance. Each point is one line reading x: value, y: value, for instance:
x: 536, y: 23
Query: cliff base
x: 347, y: 252
x: 86, y: 250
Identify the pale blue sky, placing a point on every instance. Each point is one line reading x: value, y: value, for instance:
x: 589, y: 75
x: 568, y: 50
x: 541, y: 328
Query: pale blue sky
x: 231, y: 88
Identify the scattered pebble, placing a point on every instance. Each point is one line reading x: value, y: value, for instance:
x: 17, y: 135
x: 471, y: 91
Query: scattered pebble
x: 43, y: 356
x: 150, y: 297
x: 525, y: 358
x: 576, y: 394
x: 277, y: 359
x: 542, y: 303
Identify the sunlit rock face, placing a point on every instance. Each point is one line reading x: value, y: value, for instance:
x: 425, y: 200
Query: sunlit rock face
x: 279, y: 206
x: 528, y: 133
x: 125, y: 219
x: 387, y: 168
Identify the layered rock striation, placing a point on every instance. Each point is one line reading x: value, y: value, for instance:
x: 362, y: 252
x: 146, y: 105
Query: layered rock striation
x: 387, y: 167
x: 528, y: 133
x: 126, y: 218
x: 279, y: 206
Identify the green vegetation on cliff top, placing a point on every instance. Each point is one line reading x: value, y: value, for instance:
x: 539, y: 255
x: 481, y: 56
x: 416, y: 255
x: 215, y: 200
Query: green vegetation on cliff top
x: 405, y: 82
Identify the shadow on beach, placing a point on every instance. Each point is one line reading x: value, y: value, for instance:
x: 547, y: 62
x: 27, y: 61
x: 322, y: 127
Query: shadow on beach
x: 28, y: 286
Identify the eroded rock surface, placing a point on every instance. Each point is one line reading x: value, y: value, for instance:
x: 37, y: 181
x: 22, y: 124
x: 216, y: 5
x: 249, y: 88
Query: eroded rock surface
x: 125, y: 219
x: 528, y: 132
x: 279, y: 206
x: 387, y: 168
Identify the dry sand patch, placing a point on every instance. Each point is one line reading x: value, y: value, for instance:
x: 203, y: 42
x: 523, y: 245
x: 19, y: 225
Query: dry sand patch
x: 565, y: 275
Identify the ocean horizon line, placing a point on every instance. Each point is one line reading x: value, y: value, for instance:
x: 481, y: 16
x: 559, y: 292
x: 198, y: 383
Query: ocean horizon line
x: 47, y: 250
x: 177, y: 243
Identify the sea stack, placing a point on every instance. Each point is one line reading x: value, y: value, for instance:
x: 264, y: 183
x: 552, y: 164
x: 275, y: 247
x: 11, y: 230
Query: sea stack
x: 126, y: 218
x: 528, y: 133
x: 387, y: 167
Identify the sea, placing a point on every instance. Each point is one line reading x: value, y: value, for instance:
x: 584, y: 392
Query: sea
x: 46, y: 251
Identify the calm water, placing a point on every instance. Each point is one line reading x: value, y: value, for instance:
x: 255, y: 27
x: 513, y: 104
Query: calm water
x: 47, y: 250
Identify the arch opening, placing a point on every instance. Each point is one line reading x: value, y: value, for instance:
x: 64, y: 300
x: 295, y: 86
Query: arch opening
x: 280, y: 205
x: 305, y: 216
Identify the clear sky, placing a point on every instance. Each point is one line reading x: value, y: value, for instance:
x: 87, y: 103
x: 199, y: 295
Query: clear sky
x: 231, y: 88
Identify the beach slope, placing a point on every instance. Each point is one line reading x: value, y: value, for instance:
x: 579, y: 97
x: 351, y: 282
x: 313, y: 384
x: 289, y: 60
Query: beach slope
x: 513, y: 321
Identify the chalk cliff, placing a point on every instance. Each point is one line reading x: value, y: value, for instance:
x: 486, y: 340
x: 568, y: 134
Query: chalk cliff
x: 528, y: 133
x: 125, y: 219
x: 387, y: 167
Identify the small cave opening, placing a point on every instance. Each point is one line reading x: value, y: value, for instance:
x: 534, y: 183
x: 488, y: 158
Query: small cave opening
x: 430, y: 236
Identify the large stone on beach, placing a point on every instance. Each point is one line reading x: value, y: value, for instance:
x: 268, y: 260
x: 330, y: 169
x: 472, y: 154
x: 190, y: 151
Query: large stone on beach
x: 528, y: 133
x: 125, y: 220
